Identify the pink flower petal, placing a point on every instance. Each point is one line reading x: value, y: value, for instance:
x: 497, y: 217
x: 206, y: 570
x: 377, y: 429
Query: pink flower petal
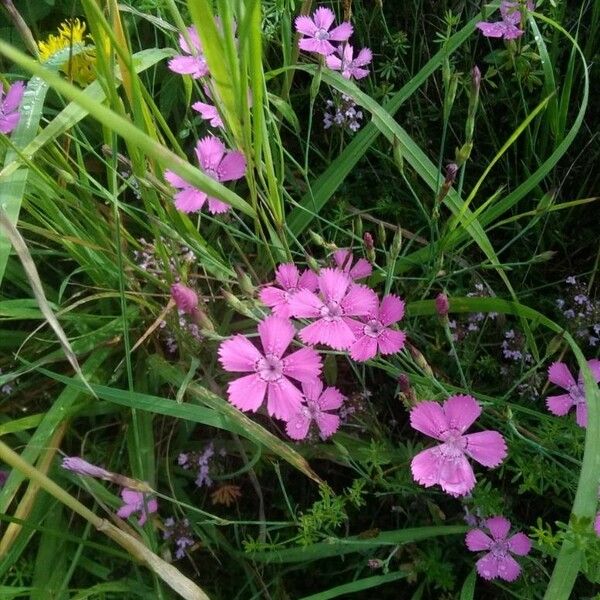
x: 361, y: 269
x: 455, y: 476
x: 391, y: 309
x: 519, y: 544
x: 594, y: 365
x: 493, y: 30
x: 391, y: 341
x: 322, y: 47
x: 559, y: 405
x: 194, y: 38
x: 287, y: 276
x: 360, y: 301
x: 189, y: 65
x: 597, y: 525
x: 216, y: 206
x: 364, y: 348
x: 461, y: 411
x: 210, y: 151
x: 327, y: 423
x: 333, y: 285
x: 276, y: 299
x: 508, y: 569
x: 365, y: 56
x: 303, y: 365
x: 8, y: 123
x: 499, y: 527
x: 175, y: 180
x: 276, y: 335
x: 305, y: 25
x: 308, y: 280
x: 334, y: 62
x: 330, y: 399
x: 305, y: 304
x: 476, y: 540
x: 487, y: 567
x: 233, y: 166
x: 189, y: 200
x: 488, y: 448
x: 284, y: 400
x: 312, y: 389
x: 429, y: 418
x: 510, y: 12
x: 297, y: 426
x: 581, y: 414
x: 559, y: 374
x: 247, y: 393
x: 335, y: 334
x: 323, y: 18
x: 13, y: 97
x: 512, y: 33
x: 342, y: 32
x: 238, y: 354
x: 209, y: 113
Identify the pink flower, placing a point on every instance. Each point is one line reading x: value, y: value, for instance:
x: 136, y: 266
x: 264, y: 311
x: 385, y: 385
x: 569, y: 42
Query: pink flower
x: 343, y: 60
x: 290, y: 280
x: 270, y: 371
x: 559, y: 374
x: 498, y: 562
x: 447, y: 464
x: 137, y: 502
x: 507, y: 28
x: 376, y: 335
x: 82, y: 467
x: 209, y: 113
x: 185, y: 298
x: 216, y: 162
x: 338, y: 300
x: 317, y: 31
x: 317, y: 403
x: 597, y: 525
x: 192, y: 62
x: 359, y: 270
x: 9, y: 106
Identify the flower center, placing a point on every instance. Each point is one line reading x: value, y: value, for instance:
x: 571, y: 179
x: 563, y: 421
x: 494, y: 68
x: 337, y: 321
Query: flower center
x: 212, y: 173
x: 331, y: 311
x: 322, y: 34
x: 577, y: 394
x: 269, y: 368
x: 373, y: 328
x: 499, y: 548
x: 454, y: 444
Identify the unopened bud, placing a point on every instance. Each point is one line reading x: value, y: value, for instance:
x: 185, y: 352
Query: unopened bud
x: 185, y: 298
x: 237, y: 304
x: 419, y: 360
x: 369, y: 247
x: 451, y: 172
x: 358, y: 226
x: 245, y: 283
x: 396, y: 244
x: 462, y: 154
x: 397, y: 152
x: 442, y: 305
x: 313, y: 264
x: 381, y: 234
x: 475, y: 79
x: 404, y: 383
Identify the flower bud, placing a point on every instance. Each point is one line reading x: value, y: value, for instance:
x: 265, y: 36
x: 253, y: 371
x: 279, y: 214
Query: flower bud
x: 475, y: 80
x: 369, y: 247
x: 245, y: 283
x: 451, y: 172
x: 442, y: 305
x: 185, y: 298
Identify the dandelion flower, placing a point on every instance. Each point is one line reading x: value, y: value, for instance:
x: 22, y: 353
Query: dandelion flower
x: 290, y: 280
x: 559, y: 374
x: 343, y: 60
x: 9, y: 106
x: 216, y: 162
x: 447, y: 464
x: 192, y: 61
x: 318, y: 32
x: 498, y: 562
x: 270, y: 372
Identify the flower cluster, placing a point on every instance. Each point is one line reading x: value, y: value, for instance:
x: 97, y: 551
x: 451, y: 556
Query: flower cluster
x: 342, y: 112
x: 509, y: 27
x: 581, y: 312
x: 214, y: 159
x: 180, y: 533
x: 337, y: 312
x: 201, y: 462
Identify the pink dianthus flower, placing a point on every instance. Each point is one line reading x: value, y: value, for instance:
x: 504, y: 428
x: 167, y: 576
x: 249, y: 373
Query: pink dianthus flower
x: 9, y: 106
x: 343, y: 60
x: 344, y: 260
x: 318, y: 32
x: 508, y: 28
x: 192, y: 62
x: 270, y: 370
x: 376, y: 334
x: 498, y: 562
x: 290, y: 281
x: 333, y: 308
x: 318, y: 402
x: 136, y: 502
x: 216, y: 162
x: 559, y: 374
x: 447, y: 464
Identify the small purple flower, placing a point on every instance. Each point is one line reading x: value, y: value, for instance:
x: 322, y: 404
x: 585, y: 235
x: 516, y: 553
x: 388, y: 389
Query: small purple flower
x: 201, y: 461
x: 318, y: 32
x: 180, y: 533
x: 343, y: 60
x: 137, y: 502
x: 498, y: 563
x: 508, y: 28
x: 9, y: 106
x: 192, y: 62
x: 570, y: 280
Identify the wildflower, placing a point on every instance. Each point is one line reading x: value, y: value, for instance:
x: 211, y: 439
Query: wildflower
x: 447, y: 464
x: 597, y: 525
x: 226, y: 494
x: 81, y: 65
x: 137, y: 502
x: 338, y: 300
x: 442, y: 305
x: 216, y: 162
x: 82, y: 467
x: 343, y: 60
x: 344, y: 261
x: 317, y: 31
x: 376, y: 334
x: 345, y: 115
x: 508, y: 28
x: 290, y: 281
x: 498, y: 562
x: 9, y: 106
x: 180, y: 533
x: 209, y: 113
x: 559, y: 374
x: 318, y: 402
x: 185, y: 298
x: 200, y: 460
x: 270, y: 371
x: 192, y: 61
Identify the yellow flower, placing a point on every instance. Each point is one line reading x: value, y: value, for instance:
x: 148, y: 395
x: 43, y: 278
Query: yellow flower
x: 79, y: 67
